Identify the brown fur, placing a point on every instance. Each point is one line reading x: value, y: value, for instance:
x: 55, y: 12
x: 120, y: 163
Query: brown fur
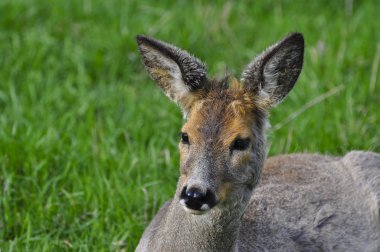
x: 231, y: 107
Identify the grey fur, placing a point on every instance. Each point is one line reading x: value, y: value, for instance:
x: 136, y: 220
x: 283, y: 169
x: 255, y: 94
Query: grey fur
x: 298, y: 202
x: 319, y: 203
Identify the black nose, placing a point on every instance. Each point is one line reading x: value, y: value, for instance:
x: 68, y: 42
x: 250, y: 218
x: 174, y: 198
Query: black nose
x: 195, y: 198
x: 195, y: 194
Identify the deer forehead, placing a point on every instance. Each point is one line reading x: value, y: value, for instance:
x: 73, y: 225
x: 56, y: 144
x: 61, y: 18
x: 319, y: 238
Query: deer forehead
x: 221, y: 116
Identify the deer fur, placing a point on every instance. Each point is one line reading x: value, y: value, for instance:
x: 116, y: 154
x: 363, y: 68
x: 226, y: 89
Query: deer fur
x: 228, y: 197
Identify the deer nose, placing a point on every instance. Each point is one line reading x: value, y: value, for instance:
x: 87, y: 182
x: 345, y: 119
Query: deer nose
x: 195, y: 194
x: 195, y: 199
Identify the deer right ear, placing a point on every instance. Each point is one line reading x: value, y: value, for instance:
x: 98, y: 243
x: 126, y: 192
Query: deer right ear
x: 273, y: 73
x: 176, y: 72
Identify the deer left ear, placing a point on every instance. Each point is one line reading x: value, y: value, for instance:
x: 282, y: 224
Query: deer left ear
x: 273, y: 74
x: 175, y: 71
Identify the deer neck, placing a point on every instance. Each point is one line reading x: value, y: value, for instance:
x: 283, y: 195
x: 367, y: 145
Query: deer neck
x: 216, y: 230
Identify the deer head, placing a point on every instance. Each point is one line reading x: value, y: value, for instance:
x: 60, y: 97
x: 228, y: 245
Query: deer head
x: 222, y: 146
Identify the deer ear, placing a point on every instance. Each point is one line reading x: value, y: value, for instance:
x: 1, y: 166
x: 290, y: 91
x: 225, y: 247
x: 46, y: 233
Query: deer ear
x: 176, y: 72
x: 273, y: 73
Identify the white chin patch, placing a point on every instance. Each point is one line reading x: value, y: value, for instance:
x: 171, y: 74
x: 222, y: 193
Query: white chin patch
x: 204, y: 208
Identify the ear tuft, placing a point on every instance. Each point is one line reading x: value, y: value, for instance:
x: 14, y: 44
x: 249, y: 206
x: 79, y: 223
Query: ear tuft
x: 273, y: 73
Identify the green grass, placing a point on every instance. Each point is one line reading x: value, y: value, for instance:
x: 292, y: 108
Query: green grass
x: 88, y: 142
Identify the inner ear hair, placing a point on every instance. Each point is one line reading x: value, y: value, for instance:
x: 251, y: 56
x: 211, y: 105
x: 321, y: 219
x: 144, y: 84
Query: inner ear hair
x: 274, y: 72
x: 175, y: 71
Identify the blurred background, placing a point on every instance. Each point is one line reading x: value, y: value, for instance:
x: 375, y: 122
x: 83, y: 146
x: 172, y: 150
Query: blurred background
x: 88, y: 143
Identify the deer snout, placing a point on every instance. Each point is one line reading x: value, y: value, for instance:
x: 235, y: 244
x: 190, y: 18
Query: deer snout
x: 196, y: 200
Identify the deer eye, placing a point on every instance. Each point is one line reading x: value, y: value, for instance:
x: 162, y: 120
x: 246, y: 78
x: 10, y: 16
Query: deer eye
x: 185, y: 138
x: 240, y: 144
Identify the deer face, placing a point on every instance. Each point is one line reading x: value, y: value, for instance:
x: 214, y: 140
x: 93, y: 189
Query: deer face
x: 219, y: 148
x: 222, y: 144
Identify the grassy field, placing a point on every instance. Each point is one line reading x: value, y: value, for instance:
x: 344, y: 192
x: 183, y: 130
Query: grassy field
x: 88, y: 142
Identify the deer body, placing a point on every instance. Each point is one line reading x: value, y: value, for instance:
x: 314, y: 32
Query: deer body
x: 227, y: 199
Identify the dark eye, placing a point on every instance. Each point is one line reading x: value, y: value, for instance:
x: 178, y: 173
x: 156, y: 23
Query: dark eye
x: 240, y: 144
x: 185, y: 138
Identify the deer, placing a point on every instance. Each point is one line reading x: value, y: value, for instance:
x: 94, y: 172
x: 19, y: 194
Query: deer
x: 230, y: 196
